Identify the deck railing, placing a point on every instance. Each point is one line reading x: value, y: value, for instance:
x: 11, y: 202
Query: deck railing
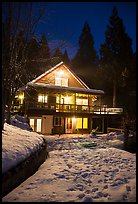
x: 70, y: 108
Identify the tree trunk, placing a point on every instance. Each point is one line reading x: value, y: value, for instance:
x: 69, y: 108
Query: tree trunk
x: 8, y: 115
x: 3, y: 106
x: 9, y: 111
x: 114, y: 94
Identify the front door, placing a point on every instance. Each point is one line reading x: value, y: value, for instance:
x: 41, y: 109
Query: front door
x: 69, y: 128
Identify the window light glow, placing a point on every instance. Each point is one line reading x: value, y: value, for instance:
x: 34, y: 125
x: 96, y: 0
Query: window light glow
x: 79, y: 123
x: 38, y: 125
x: 42, y: 98
x: 74, y: 120
x: 21, y: 97
x: 61, y: 81
x: 61, y: 73
x: 67, y: 100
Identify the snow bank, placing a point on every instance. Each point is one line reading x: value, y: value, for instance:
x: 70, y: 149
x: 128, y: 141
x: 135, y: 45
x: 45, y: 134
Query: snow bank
x: 17, y: 145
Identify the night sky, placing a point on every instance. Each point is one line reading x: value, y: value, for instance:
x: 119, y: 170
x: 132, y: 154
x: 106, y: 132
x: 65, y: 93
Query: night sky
x: 64, y: 21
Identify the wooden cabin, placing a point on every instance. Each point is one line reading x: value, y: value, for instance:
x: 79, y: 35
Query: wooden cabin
x: 58, y: 102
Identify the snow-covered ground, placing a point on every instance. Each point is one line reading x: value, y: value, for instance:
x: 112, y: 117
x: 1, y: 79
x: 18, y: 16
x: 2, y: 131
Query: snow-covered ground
x: 77, y: 173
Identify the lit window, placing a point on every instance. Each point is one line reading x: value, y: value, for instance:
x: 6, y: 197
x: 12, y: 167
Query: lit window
x: 42, y: 98
x: 82, y: 101
x: 82, y: 123
x: 85, y: 123
x: 59, y: 100
x: 79, y: 123
x: 61, y: 82
x: 32, y: 123
x: 38, y: 125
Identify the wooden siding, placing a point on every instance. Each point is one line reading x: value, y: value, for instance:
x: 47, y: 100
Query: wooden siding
x: 50, y: 77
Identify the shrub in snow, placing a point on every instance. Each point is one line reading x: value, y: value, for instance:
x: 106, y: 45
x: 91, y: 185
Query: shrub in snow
x: 21, y: 122
x: 115, y: 135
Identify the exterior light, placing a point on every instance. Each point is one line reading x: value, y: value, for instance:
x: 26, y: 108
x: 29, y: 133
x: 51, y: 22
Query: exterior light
x: 74, y: 120
x: 67, y: 99
x: 21, y: 97
x: 61, y: 73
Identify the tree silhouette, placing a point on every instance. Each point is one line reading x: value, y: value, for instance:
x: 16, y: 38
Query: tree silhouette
x: 116, y: 54
x: 57, y: 57
x: 65, y: 58
x: 86, y: 59
x: 44, y: 54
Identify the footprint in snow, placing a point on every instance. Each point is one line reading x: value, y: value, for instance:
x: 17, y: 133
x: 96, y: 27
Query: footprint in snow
x: 69, y: 165
x: 87, y: 199
x: 71, y: 189
x: 94, y: 189
x: 81, y: 195
x: 105, y: 187
x: 128, y: 188
x: 84, y: 175
x: 99, y: 195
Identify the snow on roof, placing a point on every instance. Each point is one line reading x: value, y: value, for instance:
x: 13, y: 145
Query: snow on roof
x: 74, y: 89
x: 22, y: 88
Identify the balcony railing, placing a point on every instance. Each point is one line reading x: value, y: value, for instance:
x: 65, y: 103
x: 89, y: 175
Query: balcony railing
x: 71, y: 108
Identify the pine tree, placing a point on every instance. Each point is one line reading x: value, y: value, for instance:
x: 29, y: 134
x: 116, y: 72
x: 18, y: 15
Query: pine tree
x: 116, y: 54
x: 44, y: 53
x: 86, y: 59
x: 57, y: 57
x: 65, y: 58
x: 32, y: 59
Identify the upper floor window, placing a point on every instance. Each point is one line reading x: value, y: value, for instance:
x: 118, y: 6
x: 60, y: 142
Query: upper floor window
x: 81, y: 101
x: 42, y: 98
x: 61, y: 81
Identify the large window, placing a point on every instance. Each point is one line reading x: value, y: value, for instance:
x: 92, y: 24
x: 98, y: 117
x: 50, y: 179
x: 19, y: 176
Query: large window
x: 79, y: 123
x: 32, y: 123
x: 82, y: 123
x: 61, y: 82
x: 42, y: 98
x: 38, y: 125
